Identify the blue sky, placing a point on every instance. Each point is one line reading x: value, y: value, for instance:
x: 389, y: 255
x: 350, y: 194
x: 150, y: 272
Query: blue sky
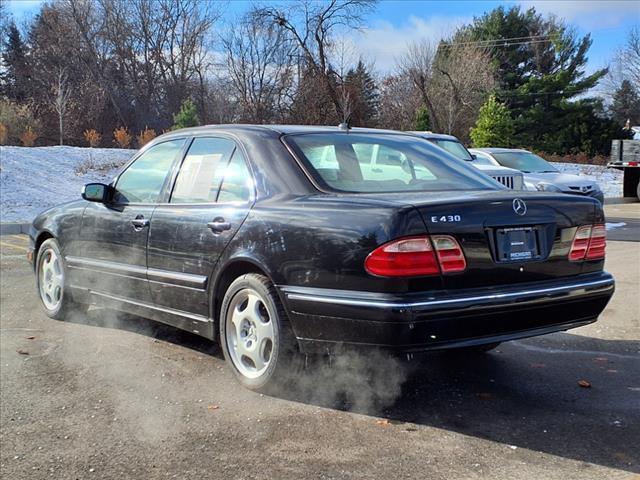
x: 395, y: 23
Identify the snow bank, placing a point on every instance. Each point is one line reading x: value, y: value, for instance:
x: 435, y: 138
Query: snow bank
x: 36, y: 178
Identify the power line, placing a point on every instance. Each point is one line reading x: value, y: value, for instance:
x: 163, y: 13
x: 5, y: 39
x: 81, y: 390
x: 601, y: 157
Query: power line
x: 502, y: 42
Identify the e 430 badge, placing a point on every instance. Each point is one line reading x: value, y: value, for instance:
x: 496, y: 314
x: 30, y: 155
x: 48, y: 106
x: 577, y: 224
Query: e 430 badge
x: 445, y: 218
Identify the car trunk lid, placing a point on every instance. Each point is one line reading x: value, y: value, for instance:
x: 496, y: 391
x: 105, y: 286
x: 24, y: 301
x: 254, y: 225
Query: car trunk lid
x: 508, y: 239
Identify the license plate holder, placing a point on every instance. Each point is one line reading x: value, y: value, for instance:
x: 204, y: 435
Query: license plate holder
x: 517, y: 244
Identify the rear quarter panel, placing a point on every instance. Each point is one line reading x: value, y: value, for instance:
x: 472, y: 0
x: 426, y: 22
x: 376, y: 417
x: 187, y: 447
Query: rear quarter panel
x: 322, y: 241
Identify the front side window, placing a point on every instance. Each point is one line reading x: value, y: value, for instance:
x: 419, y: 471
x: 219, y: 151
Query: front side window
x: 383, y: 163
x: 202, y: 171
x: 143, y: 180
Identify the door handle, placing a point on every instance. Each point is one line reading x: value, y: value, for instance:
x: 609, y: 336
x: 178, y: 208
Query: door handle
x: 219, y: 225
x: 139, y: 222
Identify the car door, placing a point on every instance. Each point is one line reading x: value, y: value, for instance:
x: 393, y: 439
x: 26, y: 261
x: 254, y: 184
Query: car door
x: 211, y: 197
x: 114, y: 251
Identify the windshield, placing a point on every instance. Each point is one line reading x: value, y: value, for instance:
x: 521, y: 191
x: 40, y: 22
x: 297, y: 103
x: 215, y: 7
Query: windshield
x: 482, y: 160
x: 368, y: 163
x: 526, y: 162
x: 451, y: 146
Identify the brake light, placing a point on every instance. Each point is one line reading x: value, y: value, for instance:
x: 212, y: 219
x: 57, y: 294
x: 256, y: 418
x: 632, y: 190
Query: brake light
x: 589, y: 243
x: 416, y: 256
x: 598, y: 242
x: 449, y: 253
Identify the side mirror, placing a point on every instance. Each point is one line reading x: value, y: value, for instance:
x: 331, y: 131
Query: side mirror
x: 474, y: 156
x: 96, y: 192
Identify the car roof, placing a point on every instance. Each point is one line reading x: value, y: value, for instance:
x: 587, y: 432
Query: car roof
x: 499, y: 150
x: 278, y: 129
x: 435, y: 136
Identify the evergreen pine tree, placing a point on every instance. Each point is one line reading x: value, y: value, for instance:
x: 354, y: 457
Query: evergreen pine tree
x: 494, y: 127
x: 626, y: 104
x: 15, y: 79
x: 364, y: 96
x: 186, y: 117
x: 423, y: 120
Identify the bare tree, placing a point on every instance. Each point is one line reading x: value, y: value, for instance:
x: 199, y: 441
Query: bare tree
x: 398, y: 103
x: 147, y: 54
x: 417, y: 65
x: 260, y: 61
x: 462, y: 80
x: 313, y: 27
x: 629, y: 57
x: 60, y: 94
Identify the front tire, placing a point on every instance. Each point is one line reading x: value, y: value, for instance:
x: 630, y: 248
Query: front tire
x: 255, y: 335
x: 51, y: 277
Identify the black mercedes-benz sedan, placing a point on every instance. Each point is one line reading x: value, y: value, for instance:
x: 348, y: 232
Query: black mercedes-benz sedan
x: 279, y: 241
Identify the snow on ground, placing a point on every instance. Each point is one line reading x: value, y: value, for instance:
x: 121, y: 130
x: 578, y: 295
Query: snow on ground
x: 610, y: 180
x: 33, y: 179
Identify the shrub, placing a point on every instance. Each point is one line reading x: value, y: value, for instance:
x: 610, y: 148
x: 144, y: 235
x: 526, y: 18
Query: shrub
x: 122, y: 137
x: 146, y: 136
x: 422, y: 122
x: 28, y: 137
x: 92, y: 137
x: 16, y: 118
x: 494, y: 126
x: 4, y: 134
x: 186, y: 117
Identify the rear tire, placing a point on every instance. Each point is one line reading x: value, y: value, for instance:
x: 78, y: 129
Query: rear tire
x: 51, y: 280
x: 255, y: 336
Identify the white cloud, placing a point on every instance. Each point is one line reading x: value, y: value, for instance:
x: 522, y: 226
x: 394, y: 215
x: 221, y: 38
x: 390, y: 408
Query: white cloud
x: 589, y: 14
x: 384, y: 42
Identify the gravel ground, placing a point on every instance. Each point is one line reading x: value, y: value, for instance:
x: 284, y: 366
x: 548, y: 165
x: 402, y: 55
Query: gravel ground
x: 105, y: 397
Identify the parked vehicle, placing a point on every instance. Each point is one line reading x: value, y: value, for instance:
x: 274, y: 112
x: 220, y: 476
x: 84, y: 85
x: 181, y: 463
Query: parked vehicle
x: 625, y: 156
x: 282, y: 240
x: 538, y: 173
x: 509, y: 177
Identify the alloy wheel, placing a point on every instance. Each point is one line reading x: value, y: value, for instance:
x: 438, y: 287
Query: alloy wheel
x: 250, y: 333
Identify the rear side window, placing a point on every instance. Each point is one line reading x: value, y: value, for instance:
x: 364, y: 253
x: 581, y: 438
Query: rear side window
x: 353, y: 162
x: 143, y: 180
x: 237, y: 184
x: 202, y: 171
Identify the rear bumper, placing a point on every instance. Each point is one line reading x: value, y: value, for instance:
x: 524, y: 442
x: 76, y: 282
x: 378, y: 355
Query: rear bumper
x: 323, y: 319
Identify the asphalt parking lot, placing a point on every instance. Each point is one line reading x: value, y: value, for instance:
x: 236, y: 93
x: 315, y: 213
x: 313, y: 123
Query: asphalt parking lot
x: 102, y: 396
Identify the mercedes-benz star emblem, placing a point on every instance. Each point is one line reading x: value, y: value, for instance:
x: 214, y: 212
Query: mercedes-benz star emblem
x: 519, y: 206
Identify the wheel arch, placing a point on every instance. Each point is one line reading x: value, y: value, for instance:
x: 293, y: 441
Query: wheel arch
x: 231, y: 270
x: 42, y: 236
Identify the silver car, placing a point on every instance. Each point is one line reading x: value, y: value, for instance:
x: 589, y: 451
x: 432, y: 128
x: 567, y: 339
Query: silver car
x: 538, y: 173
x: 507, y: 176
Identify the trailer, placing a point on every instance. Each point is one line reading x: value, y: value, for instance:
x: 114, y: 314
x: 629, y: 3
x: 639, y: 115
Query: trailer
x: 625, y: 156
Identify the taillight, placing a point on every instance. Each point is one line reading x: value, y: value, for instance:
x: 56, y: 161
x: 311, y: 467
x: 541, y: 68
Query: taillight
x: 598, y: 242
x: 589, y: 243
x: 416, y: 256
x: 449, y: 254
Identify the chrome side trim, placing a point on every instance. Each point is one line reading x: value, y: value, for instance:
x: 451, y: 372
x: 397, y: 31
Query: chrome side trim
x: 172, y: 311
x: 576, y: 289
x: 189, y: 280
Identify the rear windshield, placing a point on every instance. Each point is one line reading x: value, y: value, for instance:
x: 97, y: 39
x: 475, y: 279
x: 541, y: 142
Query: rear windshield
x: 368, y: 163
